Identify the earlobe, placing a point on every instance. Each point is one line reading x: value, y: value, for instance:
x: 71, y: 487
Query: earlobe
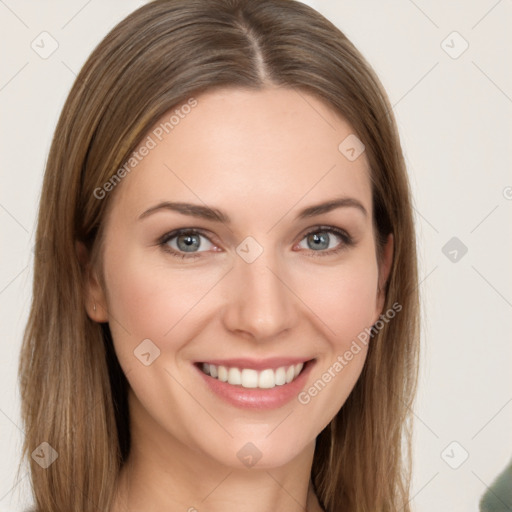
x: 94, y: 296
x: 385, y: 264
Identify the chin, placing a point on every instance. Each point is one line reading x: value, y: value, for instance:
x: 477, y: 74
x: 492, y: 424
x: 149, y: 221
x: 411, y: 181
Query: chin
x: 259, y: 452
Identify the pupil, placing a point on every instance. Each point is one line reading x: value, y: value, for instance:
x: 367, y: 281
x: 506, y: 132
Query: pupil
x: 191, y: 242
x: 321, y: 241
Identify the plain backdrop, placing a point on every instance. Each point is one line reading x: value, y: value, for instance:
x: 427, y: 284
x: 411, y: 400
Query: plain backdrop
x: 446, y: 68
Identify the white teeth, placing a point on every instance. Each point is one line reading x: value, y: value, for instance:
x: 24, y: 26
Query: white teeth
x: 249, y: 378
x: 222, y: 373
x: 280, y: 377
x: 267, y: 379
x: 234, y: 376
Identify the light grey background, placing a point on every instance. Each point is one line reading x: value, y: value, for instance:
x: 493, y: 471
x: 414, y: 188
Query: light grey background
x: 454, y: 120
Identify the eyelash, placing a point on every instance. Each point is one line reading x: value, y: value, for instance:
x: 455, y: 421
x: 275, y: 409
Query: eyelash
x: 347, y: 241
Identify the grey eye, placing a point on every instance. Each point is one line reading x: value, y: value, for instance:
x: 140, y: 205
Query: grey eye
x: 189, y: 242
x: 320, y: 240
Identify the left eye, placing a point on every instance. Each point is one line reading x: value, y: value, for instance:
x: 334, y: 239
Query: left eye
x: 321, y: 240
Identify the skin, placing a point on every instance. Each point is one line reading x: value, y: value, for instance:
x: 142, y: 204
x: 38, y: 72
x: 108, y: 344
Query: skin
x: 260, y: 157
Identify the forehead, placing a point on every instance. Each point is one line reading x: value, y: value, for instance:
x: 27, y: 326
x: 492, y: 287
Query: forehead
x: 261, y: 150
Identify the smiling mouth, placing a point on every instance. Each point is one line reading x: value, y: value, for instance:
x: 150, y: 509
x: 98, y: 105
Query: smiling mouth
x: 249, y: 378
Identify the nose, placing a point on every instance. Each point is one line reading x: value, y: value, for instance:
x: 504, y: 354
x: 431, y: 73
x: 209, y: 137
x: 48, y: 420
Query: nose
x: 261, y: 302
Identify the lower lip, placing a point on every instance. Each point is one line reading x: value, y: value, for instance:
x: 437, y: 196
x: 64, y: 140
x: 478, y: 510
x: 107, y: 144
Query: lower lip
x: 256, y: 398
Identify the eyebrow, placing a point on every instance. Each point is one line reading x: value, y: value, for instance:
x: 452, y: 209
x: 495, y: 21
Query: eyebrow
x: 205, y: 212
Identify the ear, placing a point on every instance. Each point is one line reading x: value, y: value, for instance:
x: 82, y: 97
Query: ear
x: 95, y: 302
x: 384, y: 270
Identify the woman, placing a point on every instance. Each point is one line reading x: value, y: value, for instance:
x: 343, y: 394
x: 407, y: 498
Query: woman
x: 226, y: 315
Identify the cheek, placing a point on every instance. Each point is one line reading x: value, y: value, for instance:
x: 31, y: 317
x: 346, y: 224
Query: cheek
x: 346, y: 305
x: 344, y: 298
x: 148, y: 299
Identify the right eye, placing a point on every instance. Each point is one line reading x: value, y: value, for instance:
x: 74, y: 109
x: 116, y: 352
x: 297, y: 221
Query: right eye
x: 185, y: 243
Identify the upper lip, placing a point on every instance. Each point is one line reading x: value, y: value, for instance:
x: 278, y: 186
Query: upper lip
x: 257, y: 364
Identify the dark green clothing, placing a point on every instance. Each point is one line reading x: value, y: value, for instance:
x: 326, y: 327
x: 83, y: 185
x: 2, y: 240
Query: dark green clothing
x: 498, y: 498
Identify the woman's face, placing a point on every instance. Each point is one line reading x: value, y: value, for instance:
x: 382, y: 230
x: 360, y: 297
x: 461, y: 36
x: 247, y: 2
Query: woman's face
x: 261, y: 278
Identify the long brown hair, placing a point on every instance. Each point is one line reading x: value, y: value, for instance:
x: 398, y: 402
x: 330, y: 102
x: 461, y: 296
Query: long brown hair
x: 72, y: 387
